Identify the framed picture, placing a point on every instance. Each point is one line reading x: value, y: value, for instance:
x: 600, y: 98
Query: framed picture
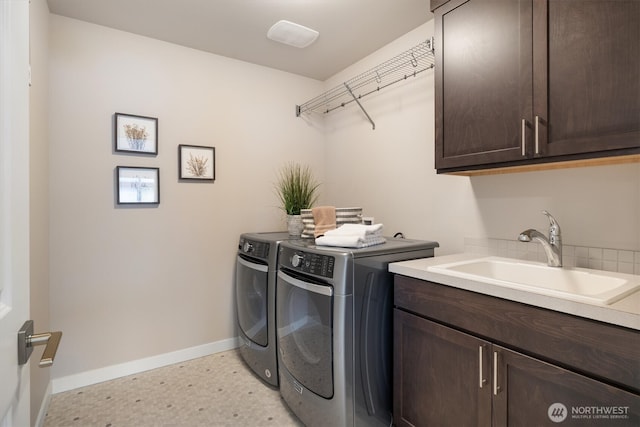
x: 197, y: 162
x: 138, y: 185
x: 136, y: 134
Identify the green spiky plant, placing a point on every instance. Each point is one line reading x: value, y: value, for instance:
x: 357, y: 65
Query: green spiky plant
x: 296, y: 188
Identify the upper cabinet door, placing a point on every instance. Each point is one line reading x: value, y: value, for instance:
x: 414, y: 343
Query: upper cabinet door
x: 587, y: 75
x: 484, y: 82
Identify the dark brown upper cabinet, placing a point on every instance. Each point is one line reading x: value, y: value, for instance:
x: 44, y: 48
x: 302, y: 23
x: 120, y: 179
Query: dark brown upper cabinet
x: 535, y: 81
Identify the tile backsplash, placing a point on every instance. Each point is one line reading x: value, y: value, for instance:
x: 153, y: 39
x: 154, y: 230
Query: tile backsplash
x: 622, y: 261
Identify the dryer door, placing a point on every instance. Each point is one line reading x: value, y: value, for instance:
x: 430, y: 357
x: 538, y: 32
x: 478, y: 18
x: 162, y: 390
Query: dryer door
x: 251, y: 299
x: 304, y: 319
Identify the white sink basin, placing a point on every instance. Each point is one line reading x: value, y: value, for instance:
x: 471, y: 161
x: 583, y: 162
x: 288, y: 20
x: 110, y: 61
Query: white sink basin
x: 578, y: 284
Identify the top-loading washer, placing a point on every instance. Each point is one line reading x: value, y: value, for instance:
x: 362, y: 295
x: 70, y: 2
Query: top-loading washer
x: 256, y: 266
x: 334, y: 315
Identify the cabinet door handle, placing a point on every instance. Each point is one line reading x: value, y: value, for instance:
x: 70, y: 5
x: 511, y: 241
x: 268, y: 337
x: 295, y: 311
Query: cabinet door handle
x: 524, y: 136
x: 496, y: 387
x: 482, y: 379
x: 537, y: 134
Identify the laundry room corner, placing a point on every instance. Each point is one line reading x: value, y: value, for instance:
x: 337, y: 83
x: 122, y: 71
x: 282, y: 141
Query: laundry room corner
x: 129, y: 283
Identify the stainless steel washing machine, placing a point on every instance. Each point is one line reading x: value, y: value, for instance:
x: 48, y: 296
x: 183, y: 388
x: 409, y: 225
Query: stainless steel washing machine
x: 334, y: 315
x: 256, y: 267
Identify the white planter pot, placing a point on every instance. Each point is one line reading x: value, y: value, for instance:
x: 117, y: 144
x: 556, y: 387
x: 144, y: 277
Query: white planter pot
x: 294, y: 225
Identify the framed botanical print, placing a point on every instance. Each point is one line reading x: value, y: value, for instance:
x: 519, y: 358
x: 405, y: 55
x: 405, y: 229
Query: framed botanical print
x: 197, y: 162
x: 138, y: 185
x: 136, y: 134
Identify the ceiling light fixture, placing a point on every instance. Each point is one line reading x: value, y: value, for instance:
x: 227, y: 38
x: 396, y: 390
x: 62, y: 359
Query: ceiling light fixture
x: 292, y: 34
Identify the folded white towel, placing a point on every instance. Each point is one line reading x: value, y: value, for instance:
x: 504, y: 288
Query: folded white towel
x: 360, y: 230
x: 350, y: 241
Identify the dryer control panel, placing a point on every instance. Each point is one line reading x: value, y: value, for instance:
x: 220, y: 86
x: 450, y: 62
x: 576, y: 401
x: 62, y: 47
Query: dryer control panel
x: 307, y: 262
x: 254, y: 248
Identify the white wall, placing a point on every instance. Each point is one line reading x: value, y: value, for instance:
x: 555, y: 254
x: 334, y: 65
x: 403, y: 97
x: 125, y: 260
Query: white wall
x: 390, y: 170
x: 596, y: 206
x: 390, y: 173
x: 130, y: 283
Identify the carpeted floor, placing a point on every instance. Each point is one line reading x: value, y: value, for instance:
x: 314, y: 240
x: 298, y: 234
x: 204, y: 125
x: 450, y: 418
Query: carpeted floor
x: 217, y: 390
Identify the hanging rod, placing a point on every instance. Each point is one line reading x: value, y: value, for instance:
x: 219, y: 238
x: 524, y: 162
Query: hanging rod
x: 399, y: 68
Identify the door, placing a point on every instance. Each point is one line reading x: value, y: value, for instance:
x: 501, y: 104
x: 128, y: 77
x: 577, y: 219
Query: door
x: 14, y: 208
x: 251, y: 297
x: 535, y: 393
x: 304, y: 314
x: 483, y: 80
x: 587, y: 62
x: 441, y: 376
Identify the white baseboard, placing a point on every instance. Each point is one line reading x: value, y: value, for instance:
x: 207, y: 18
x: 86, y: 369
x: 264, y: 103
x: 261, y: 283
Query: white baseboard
x: 107, y: 373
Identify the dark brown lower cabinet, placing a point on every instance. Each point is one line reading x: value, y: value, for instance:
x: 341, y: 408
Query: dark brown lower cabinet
x: 436, y: 375
x: 445, y: 377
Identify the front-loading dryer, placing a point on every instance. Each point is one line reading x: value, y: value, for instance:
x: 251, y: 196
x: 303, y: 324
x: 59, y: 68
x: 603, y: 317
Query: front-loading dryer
x: 334, y: 315
x: 255, y: 292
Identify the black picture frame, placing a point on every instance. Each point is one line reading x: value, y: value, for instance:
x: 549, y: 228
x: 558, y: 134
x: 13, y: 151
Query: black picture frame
x: 136, y: 185
x: 196, y: 162
x: 135, y: 134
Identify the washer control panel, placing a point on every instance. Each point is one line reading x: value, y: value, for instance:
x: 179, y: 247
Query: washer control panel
x: 309, y: 263
x: 253, y: 248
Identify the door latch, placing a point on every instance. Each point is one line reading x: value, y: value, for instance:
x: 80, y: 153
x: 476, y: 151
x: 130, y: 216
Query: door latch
x: 27, y: 340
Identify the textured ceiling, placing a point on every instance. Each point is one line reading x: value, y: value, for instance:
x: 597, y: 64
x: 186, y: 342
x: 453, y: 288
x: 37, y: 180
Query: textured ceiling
x: 349, y: 29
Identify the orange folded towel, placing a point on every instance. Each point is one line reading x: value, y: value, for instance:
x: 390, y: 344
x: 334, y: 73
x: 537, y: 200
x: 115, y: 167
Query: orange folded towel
x: 324, y: 218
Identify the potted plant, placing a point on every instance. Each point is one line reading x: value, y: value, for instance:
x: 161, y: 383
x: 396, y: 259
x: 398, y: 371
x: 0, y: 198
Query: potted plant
x: 297, y: 190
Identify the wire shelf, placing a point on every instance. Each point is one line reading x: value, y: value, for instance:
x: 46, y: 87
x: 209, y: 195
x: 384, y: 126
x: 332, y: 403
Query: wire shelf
x: 408, y: 64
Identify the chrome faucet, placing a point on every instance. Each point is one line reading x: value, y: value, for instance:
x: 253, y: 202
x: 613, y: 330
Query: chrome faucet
x: 552, y: 246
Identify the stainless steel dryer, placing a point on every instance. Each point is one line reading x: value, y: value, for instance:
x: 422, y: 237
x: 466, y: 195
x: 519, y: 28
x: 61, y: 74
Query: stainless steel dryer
x: 334, y: 314
x: 256, y: 267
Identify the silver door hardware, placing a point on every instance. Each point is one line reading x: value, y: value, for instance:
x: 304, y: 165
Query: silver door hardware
x: 482, y: 379
x: 496, y: 387
x: 537, y: 134
x: 27, y: 340
x: 524, y: 136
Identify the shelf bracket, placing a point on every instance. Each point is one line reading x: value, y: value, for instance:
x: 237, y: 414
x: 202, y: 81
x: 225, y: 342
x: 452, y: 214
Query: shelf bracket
x: 407, y: 64
x: 360, y: 105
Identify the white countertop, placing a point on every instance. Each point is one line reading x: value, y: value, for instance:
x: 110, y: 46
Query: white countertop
x: 625, y: 312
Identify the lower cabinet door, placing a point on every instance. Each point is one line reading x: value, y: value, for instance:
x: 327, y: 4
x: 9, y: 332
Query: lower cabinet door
x: 441, y: 376
x: 529, y: 392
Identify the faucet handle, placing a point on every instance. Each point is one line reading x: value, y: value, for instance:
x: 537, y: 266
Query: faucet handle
x: 554, y: 227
